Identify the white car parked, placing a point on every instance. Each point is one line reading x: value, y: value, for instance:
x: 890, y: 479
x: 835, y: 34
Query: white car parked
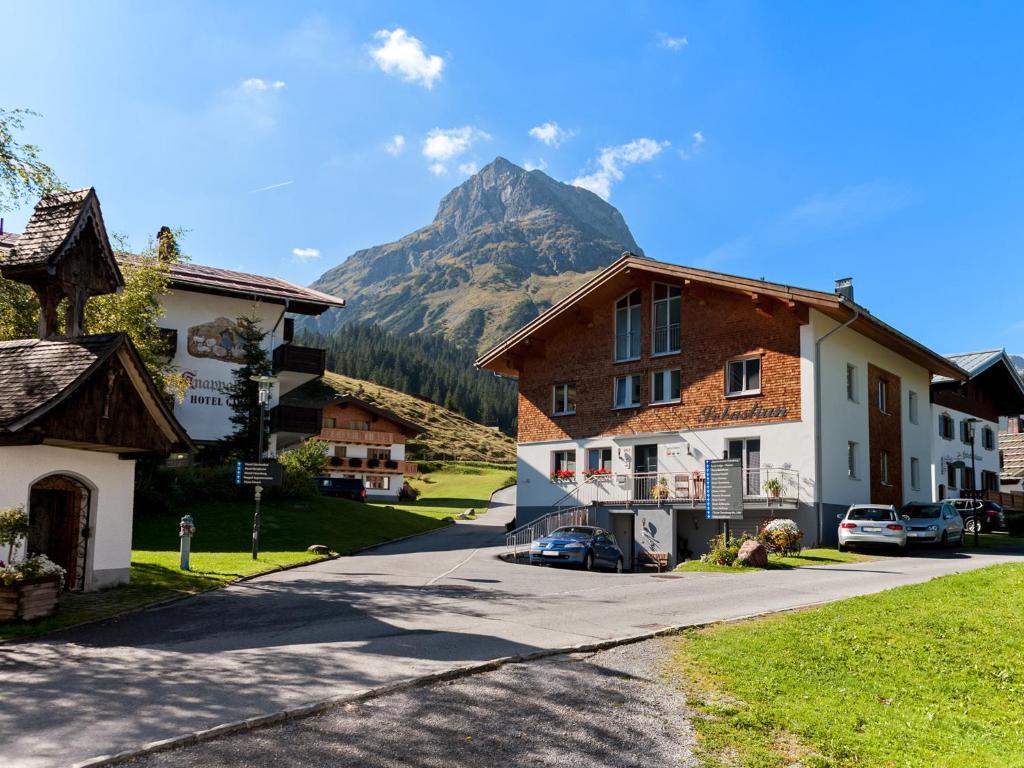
x: 872, y: 524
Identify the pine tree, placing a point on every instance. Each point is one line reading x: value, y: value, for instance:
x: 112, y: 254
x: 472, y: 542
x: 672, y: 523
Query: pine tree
x: 243, y: 393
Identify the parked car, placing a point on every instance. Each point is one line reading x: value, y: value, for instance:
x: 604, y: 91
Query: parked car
x: 582, y: 545
x: 342, y: 487
x: 975, y: 511
x: 872, y: 524
x: 933, y: 523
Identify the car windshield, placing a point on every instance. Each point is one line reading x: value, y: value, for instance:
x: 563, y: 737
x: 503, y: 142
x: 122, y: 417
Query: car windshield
x: 922, y: 511
x: 572, y: 532
x: 873, y: 515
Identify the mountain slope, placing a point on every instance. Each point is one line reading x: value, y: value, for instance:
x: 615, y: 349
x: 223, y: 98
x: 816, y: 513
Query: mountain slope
x: 503, y: 246
x: 448, y: 434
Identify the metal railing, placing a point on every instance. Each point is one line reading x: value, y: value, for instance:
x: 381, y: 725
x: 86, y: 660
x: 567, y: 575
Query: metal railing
x: 666, y: 339
x: 521, y: 537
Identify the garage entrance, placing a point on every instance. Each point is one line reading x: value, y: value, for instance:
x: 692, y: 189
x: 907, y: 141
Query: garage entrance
x: 622, y: 529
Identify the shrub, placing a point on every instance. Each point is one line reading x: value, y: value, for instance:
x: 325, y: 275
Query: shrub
x: 161, y: 490
x: 781, y: 537
x: 725, y: 551
x: 13, y: 528
x: 298, y: 468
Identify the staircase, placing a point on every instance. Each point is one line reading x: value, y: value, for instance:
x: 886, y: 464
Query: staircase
x: 521, y: 537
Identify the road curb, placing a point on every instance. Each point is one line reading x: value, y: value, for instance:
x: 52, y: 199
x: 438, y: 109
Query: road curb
x: 454, y: 673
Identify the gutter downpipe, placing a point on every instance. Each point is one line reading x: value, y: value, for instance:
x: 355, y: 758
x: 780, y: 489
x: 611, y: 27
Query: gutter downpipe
x: 819, y: 496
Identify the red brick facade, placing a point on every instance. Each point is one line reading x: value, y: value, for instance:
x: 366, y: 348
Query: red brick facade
x: 716, y: 325
x: 885, y: 434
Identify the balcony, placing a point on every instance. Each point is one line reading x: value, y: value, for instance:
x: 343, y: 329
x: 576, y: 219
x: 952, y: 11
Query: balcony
x: 684, y: 489
x: 358, y: 465
x: 295, y: 420
x: 294, y: 365
x: 359, y: 436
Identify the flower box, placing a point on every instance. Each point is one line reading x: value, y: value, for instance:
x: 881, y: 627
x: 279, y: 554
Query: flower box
x: 33, y: 598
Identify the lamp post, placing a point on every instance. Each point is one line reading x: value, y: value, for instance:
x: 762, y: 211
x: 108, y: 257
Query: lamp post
x: 264, y: 383
x: 974, y: 480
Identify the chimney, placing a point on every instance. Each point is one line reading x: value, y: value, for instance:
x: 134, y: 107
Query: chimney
x: 844, y: 288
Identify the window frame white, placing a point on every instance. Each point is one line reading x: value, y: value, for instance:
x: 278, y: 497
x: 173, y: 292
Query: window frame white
x: 636, y: 388
x: 745, y: 392
x: 851, y: 383
x: 915, y: 473
x: 568, y: 452
x: 668, y: 317
x: 852, y: 460
x: 563, y: 390
x: 882, y: 396
x: 600, y: 452
x: 629, y: 320
x: 667, y: 374
x: 884, y: 468
x: 913, y: 414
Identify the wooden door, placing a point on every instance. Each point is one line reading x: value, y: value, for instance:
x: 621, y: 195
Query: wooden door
x: 55, y: 528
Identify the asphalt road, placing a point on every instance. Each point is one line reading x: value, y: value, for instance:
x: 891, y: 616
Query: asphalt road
x: 344, y: 625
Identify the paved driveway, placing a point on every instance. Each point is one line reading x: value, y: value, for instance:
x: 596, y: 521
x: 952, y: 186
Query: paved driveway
x: 347, y: 624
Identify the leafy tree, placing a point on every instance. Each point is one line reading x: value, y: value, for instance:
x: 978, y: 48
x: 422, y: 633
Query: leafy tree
x: 300, y: 465
x: 243, y: 393
x: 23, y: 176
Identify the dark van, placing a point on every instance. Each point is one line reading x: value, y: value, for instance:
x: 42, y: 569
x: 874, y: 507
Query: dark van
x: 342, y: 487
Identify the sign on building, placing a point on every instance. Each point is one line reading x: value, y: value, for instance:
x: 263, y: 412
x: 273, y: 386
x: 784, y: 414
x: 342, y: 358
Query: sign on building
x: 723, y: 489
x: 257, y: 473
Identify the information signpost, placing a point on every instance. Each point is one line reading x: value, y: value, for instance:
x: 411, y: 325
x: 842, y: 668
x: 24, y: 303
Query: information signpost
x: 723, y: 490
x: 258, y: 474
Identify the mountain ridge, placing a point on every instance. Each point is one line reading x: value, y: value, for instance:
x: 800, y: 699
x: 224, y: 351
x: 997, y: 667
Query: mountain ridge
x: 503, y: 246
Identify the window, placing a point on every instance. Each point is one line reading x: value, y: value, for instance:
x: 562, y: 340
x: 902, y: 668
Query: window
x: 946, y: 426
x: 885, y: 468
x: 329, y: 422
x: 883, y: 395
x: 666, y: 319
x: 382, y: 454
x: 988, y: 438
x: 968, y: 482
x: 950, y: 476
x: 743, y: 377
x: 564, y: 399
x: 915, y: 473
x: 989, y: 480
x: 851, y: 383
x: 966, y: 432
x: 364, y: 425
x: 851, y: 460
x: 912, y: 407
x: 627, y: 391
x: 665, y: 386
x: 627, y: 327
x: 341, y: 451
x: 378, y: 482
x: 563, y: 461
x: 599, y: 458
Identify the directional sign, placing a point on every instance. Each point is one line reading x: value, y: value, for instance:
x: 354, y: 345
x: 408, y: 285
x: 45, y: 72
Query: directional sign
x: 257, y: 473
x: 723, y: 489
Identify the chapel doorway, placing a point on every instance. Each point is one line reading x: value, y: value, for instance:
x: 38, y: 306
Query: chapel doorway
x: 59, y: 525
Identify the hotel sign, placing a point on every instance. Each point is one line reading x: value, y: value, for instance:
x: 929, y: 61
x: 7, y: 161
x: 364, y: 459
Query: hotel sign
x: 723, y: 489
x: 711, y: 414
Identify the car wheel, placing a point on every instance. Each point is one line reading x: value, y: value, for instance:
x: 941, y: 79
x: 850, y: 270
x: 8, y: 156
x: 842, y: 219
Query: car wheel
x: 901, y: 549
x: 620, y: 567
x: 970, y: 524
x: 945, y: 538
x: 842, y: 547
x: 588, y: 561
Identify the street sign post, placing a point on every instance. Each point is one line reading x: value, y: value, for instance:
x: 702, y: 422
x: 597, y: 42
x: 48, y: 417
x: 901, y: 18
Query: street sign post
x: 257, y: 473
x: 723, y: 489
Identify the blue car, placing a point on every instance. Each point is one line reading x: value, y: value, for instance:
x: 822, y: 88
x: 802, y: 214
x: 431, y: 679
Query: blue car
x: 583, y: 545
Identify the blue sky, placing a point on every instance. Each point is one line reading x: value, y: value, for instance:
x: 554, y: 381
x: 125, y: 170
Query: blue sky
x: 795, y: 142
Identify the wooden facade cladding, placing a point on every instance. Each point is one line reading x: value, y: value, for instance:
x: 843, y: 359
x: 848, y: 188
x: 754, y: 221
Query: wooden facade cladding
x: 885, y: 436
x: 361, y: 436
x: 717, y: 325
x: 973, y: 397
x: 381, y: 431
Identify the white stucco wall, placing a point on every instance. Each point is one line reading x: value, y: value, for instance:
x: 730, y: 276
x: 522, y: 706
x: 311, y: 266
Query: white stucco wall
x: 944, y: 451
x: 112, y: 487
x: 205, y: 413
x: 844, y: 421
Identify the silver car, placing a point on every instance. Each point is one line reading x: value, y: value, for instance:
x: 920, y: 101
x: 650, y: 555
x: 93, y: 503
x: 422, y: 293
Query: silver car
x: 872, y: 524
x: 933, y: 523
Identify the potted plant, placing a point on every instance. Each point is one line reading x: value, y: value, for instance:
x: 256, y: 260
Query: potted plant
x: 390, y: 464
x: 335, y: 461
x: 562, y: 475
x: 660, y: 490
x: 30, y: 588
x: 372, y: 463
x: 773, y: 487
x: 598, y: 473
x: 355, y: 462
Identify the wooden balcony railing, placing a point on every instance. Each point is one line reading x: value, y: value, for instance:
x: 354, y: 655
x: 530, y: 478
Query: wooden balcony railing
x: 360, y: 436
x: 361, y: 466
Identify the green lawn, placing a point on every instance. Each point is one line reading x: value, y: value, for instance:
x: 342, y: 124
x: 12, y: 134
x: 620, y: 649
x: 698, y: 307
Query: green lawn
x: 820, y: 556
x: 222, y: 551
x: 925, y: 675
x: 452, y: 490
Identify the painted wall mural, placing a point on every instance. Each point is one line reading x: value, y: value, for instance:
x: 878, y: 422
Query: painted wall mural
x: 217, y: 339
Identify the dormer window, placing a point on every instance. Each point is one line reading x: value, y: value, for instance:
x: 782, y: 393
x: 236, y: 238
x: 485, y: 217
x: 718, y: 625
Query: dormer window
x: 666, y: 319
x: 627, y: 327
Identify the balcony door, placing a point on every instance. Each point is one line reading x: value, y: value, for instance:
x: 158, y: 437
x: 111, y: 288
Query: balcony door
x: 748, y: 450
x: 645, y: 468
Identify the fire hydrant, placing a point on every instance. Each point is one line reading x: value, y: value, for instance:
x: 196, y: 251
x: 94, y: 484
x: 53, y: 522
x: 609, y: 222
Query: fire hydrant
x: 186, y: 530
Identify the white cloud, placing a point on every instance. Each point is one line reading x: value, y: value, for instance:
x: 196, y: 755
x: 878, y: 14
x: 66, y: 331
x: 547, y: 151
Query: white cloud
x: 551, y: 134
x: 305, y: 254
x: 613, y: 161
x: 672, y: 43
x: 468, y: 168
x: 698, y: 141
x: 540, y: 164
x: 396, y: 145
x: 256, y: 85
x: 272, y: 186
x: 403, y: 55
x: 443, y: 145
x: 698, y: 138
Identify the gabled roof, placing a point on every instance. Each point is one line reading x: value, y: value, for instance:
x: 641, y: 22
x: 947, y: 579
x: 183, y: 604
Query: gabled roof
x: 382, y: 412
x: 58, y: 222
x: 38, y: 375
x: 1002, y: 379
x: 225, y: 282
x: 830, y: 304
x: 979, y: 362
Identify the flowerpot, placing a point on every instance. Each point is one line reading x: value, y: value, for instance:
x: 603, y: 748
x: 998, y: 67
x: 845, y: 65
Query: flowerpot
x: 30, y: 598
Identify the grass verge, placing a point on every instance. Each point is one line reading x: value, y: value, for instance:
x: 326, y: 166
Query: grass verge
x: 222, y: 551
x: 452, y: 490
x: 818, y: 556
x: 924, y: 675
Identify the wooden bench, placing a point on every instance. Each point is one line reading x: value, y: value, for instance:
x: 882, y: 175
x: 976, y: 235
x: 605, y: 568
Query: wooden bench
x: 657, y: 559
